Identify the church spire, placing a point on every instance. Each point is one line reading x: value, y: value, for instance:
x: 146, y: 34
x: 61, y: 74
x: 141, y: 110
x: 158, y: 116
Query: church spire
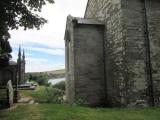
x: 19, y: 53
x: 23, y: 56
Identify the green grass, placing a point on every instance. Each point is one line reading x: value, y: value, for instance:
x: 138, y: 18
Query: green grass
x: 66, y: 112
x: 30, y: 93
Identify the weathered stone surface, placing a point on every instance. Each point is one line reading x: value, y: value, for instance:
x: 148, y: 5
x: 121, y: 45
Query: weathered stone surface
x: 85, y: 62
x: 89, y: 72
x: 131, y: 61
x: 10, y: 93
x: 154, y: 34
x: 110, y: 12
x: 125, y: 46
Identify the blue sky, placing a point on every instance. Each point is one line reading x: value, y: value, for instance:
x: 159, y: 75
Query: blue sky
x: 45, y: 48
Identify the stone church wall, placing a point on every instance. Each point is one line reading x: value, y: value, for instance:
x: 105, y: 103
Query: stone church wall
x: 85, y: 81
x: 154, y: 34
x: 89, y: 64
x: 109, y: 12
x: 134, y: 41
x: 125, y: 47
x: 69, y: 62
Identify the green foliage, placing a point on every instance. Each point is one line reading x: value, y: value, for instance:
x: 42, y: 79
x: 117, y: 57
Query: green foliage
x: 21, y: 13
x: 60, y: 85
x: 47, y: 95
x: 41, y: 79
x: 15, y: 14
x: 5, y: 50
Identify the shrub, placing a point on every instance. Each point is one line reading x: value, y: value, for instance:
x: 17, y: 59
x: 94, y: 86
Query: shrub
x: 48, y: 95
x: 41, y: 79
x: 60, y: 85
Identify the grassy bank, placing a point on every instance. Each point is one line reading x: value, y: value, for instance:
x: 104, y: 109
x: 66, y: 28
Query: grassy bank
x: 66, y: 112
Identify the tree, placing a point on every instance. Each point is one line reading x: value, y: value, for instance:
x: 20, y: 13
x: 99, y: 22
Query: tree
x: 15, y: 14
x: 40, y: 78
x: 5, y: 50
x: 60, y: 85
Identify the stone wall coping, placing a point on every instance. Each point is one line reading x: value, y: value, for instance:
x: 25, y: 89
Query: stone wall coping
x: 83, y: 21
x: 86, y: 21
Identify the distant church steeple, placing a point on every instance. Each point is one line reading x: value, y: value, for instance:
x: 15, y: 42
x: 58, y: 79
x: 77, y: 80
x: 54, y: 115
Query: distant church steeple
x: 21, y: 66
x: 23, y: 56
x: 19, y: 54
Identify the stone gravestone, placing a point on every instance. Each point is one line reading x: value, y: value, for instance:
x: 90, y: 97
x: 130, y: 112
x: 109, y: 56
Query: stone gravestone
x: 10, y: 92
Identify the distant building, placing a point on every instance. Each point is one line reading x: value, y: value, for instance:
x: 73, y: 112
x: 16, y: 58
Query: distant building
x: 114, y: 61
x: 15, y: 72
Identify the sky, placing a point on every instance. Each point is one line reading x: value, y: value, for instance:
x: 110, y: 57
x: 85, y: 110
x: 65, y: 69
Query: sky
x: 44, y: 49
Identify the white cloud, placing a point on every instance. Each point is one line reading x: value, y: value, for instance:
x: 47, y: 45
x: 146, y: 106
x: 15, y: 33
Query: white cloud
x: 50, y: 51
x: 36, y: 37
x: 14, y: 56
x: 51, y: 35
x: 28, y: 54
x: 41, y: 60
x: 46, y: 50
x: 40, y: 65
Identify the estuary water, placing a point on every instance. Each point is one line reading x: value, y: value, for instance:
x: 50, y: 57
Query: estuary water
x: 56, y: 80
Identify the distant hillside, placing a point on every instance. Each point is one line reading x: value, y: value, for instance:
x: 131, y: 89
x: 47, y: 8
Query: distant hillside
x: 61, y: 71
x: 56, y: 73
x: 51, y: 74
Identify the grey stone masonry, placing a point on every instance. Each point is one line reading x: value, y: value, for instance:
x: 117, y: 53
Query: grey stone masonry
x: 154, y: 36
x: 85, y: 81
x: 132, y: 47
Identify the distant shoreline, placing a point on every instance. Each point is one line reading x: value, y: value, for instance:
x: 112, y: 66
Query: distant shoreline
x: 57, y: 80
x: 50, y: 74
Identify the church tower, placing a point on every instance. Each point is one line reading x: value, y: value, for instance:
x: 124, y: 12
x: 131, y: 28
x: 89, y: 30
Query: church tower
x: 19, y: 60
x: 23, y: 64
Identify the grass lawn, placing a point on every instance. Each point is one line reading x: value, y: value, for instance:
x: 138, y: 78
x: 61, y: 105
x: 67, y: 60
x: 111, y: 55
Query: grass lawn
x: 66, y: 112
x: 30, y: 93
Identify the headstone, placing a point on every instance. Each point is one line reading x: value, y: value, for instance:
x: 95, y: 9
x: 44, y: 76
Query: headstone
x: 10, y: 93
